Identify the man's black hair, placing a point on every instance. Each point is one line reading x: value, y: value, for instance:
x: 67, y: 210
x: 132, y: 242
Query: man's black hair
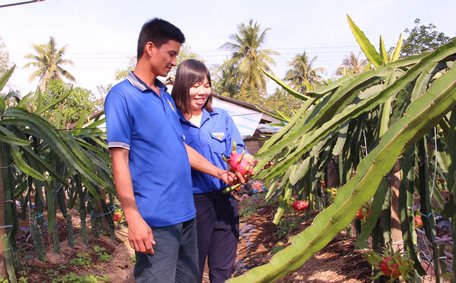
x: 159, y: 32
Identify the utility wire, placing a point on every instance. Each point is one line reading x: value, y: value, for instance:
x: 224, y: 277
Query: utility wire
x: 20, y: 3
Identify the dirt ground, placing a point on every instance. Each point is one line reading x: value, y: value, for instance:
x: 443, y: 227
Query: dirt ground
x: 260, y: 238
x: 337, y: 262
x: 58, y: 267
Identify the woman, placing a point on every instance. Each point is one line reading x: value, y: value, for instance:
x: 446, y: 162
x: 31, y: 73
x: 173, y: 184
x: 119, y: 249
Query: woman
x: 211, y: 132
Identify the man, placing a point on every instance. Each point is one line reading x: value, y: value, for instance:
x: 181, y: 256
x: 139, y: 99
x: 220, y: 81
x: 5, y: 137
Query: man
x: 151, y: 163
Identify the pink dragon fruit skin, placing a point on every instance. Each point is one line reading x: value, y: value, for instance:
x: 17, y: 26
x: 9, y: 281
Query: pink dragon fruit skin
x: 241, y: 162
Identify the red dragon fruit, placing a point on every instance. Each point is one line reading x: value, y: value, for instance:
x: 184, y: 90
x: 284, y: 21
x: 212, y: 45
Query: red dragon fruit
x: 118, y: 216
x: 300, y: 205
x: 389, y: 267
x: 241, y: 162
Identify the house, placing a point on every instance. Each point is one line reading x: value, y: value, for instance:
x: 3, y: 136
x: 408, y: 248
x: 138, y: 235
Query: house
x: 252, y: 122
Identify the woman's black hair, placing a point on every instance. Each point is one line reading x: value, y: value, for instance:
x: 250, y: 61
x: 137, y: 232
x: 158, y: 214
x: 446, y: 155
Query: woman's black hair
x: 188, y: 73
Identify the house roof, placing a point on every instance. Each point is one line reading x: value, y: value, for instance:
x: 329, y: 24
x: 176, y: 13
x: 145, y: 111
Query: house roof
x: 266, y: 118
x: 247, y: 117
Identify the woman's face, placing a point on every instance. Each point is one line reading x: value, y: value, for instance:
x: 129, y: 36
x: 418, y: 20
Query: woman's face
x: 199, y: 93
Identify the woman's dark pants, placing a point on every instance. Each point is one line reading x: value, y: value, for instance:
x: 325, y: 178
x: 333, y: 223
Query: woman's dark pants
x: 218, y: 232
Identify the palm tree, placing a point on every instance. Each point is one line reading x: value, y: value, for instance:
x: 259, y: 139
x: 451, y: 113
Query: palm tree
x: 302, y: 75
x: 48, y: 62
x: 225, y: 81
x: 248, y: 59
x: 352, y: 65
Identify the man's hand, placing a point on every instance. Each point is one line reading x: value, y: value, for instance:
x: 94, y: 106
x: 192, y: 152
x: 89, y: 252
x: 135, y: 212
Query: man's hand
x: 227, y: 177
x: 241, y: 179
x: 231, y: 178
x: 140, y: 235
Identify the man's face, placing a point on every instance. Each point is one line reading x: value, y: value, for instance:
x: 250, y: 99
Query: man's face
x: 163, y: 58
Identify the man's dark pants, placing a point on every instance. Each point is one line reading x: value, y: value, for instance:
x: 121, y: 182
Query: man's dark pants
x: 217, y: 219
x: 175, y: 258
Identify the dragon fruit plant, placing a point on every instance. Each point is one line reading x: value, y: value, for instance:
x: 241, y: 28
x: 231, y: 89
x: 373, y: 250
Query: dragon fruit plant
x: 395, y: 266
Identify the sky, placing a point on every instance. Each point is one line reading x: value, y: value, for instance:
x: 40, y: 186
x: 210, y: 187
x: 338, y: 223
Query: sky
x: 101, y: 35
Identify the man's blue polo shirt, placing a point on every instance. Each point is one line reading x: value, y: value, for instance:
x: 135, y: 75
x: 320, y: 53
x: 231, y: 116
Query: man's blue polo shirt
x: 148, y: 126
x: 213, y: 139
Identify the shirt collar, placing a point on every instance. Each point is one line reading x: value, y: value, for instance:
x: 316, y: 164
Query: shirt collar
x: 207, y: 115
x: 141, y: 85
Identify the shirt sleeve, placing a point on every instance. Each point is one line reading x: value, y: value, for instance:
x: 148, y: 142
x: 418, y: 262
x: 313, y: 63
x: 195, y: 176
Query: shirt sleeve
x: 118, y: 122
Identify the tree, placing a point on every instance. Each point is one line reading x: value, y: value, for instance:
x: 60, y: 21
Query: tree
x: 352, y: 65
x: 303, y: 76
x: 284, y: 102
x: 422, y: 38
x: 76, y: 102
x: 49, y: 61
x: 99, y: 97
x: 248, y: 60
x: 4, y: 58
x: 225, y: 81
x: 122, y: 73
